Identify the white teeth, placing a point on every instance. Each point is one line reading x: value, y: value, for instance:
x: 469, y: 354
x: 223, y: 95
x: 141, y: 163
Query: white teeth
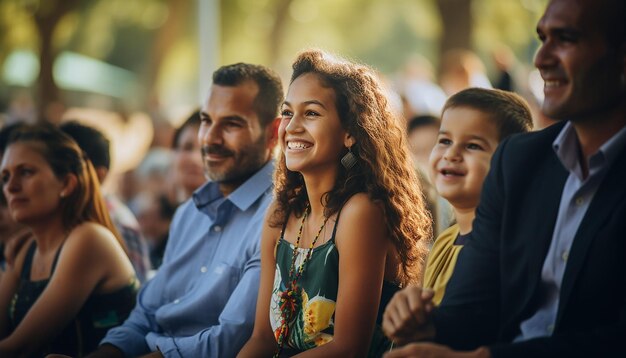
x: 552, y: 83
x: 297, y: 145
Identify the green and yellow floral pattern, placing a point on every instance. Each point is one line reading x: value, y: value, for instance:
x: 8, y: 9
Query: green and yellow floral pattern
x: 313, y: 324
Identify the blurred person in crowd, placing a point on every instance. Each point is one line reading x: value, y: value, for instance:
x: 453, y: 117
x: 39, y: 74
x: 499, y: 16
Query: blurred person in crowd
x: 543, y: 272
x: 505, y: 63
x: 513, y: 76
x: 74, y: 281
x: 21, y: 108
x: 421, y: 94
x: 462, y: 69
x: 201, y: 301
x: 127, y: 186
x: 153, y: 173
x: 348, y: 226
x: 188, y: 172
x: 154, y: 213
x: 422, y: 132
x: 97, y: 148
x: 163, y: 131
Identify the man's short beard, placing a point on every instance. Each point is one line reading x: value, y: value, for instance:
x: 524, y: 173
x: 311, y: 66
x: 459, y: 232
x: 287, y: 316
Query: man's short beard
x: 254, y: 158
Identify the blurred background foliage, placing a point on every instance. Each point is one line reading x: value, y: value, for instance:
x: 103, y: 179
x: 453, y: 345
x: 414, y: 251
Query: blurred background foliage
x: 143, y: 55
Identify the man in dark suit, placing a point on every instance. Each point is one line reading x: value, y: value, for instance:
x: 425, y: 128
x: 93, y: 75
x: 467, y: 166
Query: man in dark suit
x: 544, y: 272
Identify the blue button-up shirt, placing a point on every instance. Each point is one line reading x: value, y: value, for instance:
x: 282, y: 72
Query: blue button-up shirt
x: 202, y: 301
x: 577, y: 195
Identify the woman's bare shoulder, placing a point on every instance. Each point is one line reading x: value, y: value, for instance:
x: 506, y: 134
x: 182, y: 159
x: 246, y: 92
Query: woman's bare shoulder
x: 360, y: 206
x: 90, y: 236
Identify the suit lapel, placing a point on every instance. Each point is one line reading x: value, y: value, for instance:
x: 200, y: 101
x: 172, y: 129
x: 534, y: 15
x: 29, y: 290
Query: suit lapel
x: 552, y: 179
x: 610, y: 193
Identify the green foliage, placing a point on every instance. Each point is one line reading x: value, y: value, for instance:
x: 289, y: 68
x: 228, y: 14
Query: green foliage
x: 382, y: 33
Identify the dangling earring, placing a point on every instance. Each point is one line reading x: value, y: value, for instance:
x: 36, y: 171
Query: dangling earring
x: 349, y: 160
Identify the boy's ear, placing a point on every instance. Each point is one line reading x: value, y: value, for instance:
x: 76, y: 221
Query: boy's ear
x: 69, y: 185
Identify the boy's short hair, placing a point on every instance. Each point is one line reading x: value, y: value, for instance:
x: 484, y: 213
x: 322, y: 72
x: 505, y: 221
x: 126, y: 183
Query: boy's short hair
x: 508, y: 110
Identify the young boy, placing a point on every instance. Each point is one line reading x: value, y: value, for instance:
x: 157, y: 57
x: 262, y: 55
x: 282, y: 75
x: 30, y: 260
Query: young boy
x: 473, y: 122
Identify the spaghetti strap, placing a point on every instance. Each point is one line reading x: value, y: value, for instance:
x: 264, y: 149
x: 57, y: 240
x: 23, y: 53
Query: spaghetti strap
x: 282, y: 232
x: 282, y: 235
x: 28, y: 261
x: 332, y: 237
x: 56, y: 258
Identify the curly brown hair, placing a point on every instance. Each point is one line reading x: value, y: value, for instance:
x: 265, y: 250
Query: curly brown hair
x: 384, y: 171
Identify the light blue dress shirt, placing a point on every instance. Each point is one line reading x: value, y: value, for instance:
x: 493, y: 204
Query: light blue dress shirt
x: 202, y: 301
x: 577, y: 195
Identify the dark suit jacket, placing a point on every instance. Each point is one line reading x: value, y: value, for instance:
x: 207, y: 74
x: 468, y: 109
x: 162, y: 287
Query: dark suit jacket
x: 495, y: 285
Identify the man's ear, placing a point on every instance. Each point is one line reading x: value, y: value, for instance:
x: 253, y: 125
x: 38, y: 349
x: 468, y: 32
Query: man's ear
x: 272, y: 132
x: 69, y: 185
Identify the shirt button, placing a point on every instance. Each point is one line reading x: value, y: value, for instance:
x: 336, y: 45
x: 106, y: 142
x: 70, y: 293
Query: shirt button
x: 217, y: 228
x: 580, y: 201
x: 565, y: 255
x: 176, y: 301
x: 203, y: 269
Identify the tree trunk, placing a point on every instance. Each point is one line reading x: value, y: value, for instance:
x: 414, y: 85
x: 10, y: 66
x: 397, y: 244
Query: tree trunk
x: 456, y: 19
x: 282, y: 9
x: 47, y: 16
x: 166, y: 36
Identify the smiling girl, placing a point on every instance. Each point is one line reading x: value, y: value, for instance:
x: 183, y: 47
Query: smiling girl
x: 348, y: 226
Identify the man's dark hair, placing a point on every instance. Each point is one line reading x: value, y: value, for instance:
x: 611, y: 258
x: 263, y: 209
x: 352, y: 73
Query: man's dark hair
x: 91, y: 141
x: 509, y: 111
x: 612, y: 18
x: 270, y: 96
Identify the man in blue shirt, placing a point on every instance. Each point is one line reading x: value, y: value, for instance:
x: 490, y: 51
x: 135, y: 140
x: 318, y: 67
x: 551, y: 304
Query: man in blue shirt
x: 544, y: 271
x: 201, y: 303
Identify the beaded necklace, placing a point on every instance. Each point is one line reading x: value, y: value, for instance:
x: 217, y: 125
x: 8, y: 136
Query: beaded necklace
x: 288, y: 298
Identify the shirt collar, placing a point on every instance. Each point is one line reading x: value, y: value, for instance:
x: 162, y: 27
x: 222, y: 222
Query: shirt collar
x: 244, y: 196
x: 247, y: 193
x: 567, y: 147
x: 612, y: 147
